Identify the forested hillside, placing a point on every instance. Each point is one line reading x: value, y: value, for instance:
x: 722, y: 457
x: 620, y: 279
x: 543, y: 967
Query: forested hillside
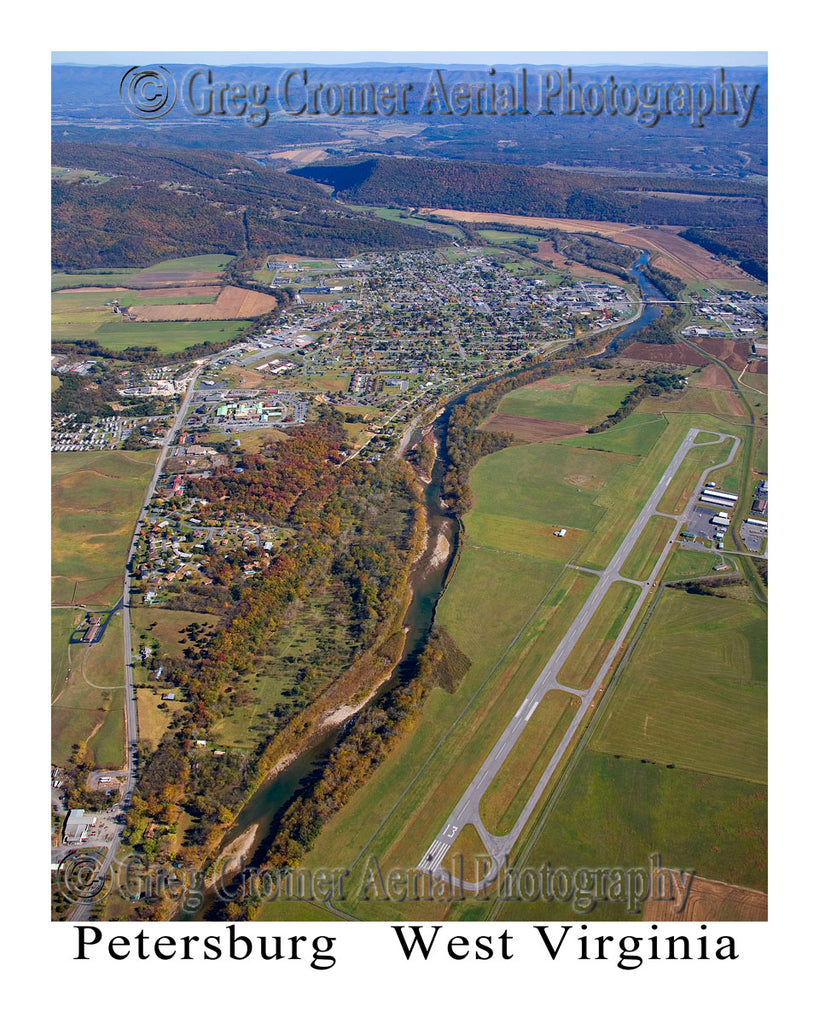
x: 541, y: 192
x: 179, y: 202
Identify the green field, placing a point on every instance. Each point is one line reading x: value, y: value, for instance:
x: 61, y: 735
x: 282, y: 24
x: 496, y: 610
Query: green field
x: 83, y: 316
x: 635, y: 435
x: 548, y: 484
x: 388, y: 213
x: 587, y: 656
x: 210, y: 261
x: 617, y: 812
x: 95, y: 500
x: 506, y: 795
x: 91, y: 278
x: 581, y: 402
x: 694, y: 692
x: 651, y: 543
x: 63, y: 623
x: 506, y: 237
x: 167, y: 337
x: 685, y: 563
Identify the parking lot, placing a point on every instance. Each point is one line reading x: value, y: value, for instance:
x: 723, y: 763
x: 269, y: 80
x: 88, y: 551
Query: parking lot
x: 753, y: 537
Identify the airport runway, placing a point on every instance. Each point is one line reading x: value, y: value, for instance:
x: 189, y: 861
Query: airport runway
x: 467, y: 810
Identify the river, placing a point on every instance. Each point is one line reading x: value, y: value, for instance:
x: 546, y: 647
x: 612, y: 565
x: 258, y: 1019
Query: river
x: 649, y: 291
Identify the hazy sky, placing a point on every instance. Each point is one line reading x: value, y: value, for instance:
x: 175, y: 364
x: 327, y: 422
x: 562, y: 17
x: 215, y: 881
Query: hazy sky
x: 713, y: 58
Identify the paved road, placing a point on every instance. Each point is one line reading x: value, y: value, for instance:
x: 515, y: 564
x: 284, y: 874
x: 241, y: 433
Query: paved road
x: 467, y: 810
x: 81, y: 911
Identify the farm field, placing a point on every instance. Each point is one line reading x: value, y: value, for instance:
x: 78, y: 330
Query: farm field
x: 95, y: 499
x: 678, y: 354
x: 231, y: 303
x: 694, y: 692
x: 90, y: 279
x: 713, y: 901
x: 580, y: 403
x: 635, y: 435
x: 79, y: 313
x: 167, y: 337
x: 711, y: 824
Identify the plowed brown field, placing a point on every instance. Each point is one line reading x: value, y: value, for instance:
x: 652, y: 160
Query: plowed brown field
x: 712, y: 901
x: 172, y: 279
x: 529, y: 428
x: 231, y: 304
x: 678, y: 354
x: 713, y: 376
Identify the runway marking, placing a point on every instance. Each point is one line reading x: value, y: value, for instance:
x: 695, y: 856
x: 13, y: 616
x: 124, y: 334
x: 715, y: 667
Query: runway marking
x: 532, y: 710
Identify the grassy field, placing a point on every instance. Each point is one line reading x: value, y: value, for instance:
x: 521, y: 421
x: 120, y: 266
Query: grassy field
x: 590, y: 651
x: 526, y: 762
x: 388, y: 213
x: 87, y: 706
x: 548, y: 484
x: 635, y: 435
x: 95, y: 499
x: 507, y: 237
x: 167, y: 627
x: 651, y: 543
x: 167, y: 337
x: 467, y: 845
x: 210, y: 261
x: 694, y: 693
x: 616, y: 812
x: 63, y: 623
x: 154, y: 720
x: 685, y: 563
x: 585, y: 403
x: 90, y: 279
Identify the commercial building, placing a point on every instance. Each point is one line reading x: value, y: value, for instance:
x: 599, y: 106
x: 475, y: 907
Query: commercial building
x: 77, y: 825
x: 713, y: 493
